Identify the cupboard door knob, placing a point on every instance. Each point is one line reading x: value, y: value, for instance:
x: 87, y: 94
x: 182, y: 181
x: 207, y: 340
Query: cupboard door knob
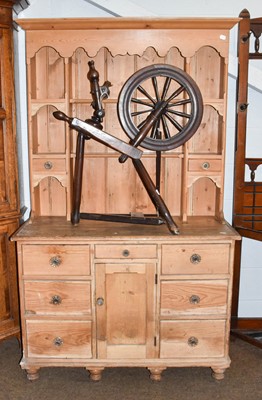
x: 195, y: 258
x: 48, y: 165
x: 55, y: 261
x: 206, y: 165
x: 56, y: 300
x: 192, y: 341
x: 194, y: 299
x: 100, y: 301
x: 58, y: 341
x: 126, y: 253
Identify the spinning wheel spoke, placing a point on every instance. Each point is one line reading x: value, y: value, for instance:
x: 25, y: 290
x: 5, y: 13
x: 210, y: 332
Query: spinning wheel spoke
x: 166, y: 87
x: 142, y: 123
x: 144, y: 92
x: 136, y: 113
x: 155, y: 85
x: 175, y: 94
x: 170, y: 96
x: 174, y: 122
x: 179, y: 113
x: 179, y: 103
x: 155, y: 130
x: 144, y: 103
x: 167, y: 134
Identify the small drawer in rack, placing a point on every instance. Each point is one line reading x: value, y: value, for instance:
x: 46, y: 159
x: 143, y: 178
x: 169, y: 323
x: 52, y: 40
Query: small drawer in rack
x: 126, y: 251
x: 194, y: 338
x: 54, y: 297
x: 61, y: 339
x: 51, y: 260
x: 49, y: 165
x: 195, y: 259
x: 194, y: 297
x: 201, y: 165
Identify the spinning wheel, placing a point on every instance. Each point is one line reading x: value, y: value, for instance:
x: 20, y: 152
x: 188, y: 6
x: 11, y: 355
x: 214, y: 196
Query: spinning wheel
x: 159, y: 107
x: 166, y: 87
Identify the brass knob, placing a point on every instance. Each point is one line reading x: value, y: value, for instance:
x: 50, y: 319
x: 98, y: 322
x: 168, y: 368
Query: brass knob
x: 195, y: 258
x: 192, y: 341
x: 56, y: 300
x: 48, y: 165
x: 206, y: 165
x: 194, y: 299
x: 58, y: 341
x: 100, y: 301
x: 126, y: 253
x: 55, y: 261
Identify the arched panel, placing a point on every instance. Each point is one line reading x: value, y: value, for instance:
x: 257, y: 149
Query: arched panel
x: 207, y: 69
x: 48, y: 134
x: 203, y: 197
x: 208, y: 138
x: 50, y: 198
x: 47, y: 75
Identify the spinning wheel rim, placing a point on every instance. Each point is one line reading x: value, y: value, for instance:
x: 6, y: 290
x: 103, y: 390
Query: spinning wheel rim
x: 186, y: 86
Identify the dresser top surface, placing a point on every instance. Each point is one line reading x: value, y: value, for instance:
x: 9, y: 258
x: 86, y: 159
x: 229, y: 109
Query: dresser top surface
x: 58, y: 228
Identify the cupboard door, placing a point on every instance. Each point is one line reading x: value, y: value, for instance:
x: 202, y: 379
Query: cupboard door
x: 9, y: 312
x: 125, y: 310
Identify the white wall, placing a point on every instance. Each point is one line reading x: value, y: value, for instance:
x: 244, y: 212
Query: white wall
x: 251, y: 268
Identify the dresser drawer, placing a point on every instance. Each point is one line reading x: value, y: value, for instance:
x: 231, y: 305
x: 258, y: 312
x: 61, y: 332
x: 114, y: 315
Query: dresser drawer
x: 208, y: 165
x: 49, y: 166
x: 193, y: 297
x: 57, y: 297
x: 54, y: 260
x: 195, y: 259
x: 63, y: 339
x: 126, y: 251
x: 192, y: 339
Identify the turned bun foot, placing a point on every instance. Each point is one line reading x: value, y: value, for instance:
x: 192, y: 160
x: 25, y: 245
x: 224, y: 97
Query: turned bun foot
x: 155, y: 374
x: 32, y: 374
x: 96, y: 374
x: 218, y: 373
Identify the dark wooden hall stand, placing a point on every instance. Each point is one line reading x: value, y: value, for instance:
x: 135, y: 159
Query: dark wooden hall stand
x: 247, y: 211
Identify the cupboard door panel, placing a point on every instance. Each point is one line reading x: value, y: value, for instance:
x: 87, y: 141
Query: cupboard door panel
x: 125, y: 303
x: 9, y: 309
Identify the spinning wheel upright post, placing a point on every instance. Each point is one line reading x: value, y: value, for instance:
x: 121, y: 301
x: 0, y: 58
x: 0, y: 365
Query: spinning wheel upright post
x: 153, y: 132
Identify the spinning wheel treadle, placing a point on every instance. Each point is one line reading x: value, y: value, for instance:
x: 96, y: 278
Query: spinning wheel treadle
x: 166, y: 87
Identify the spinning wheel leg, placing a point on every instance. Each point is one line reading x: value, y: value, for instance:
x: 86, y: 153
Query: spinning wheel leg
x: 78, y: 175
x: 155, y: 196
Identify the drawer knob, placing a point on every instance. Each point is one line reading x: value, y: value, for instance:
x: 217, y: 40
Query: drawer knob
x: 194, y: 299
x: 56, y: 300
x: 206, y: 165
x: 100, y: 301
x: 48, y: 165
x: 192, y: 341
x: 126, y: 253
x: 55, y: 261
x: 195, y: 258
x: 58, y: 341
